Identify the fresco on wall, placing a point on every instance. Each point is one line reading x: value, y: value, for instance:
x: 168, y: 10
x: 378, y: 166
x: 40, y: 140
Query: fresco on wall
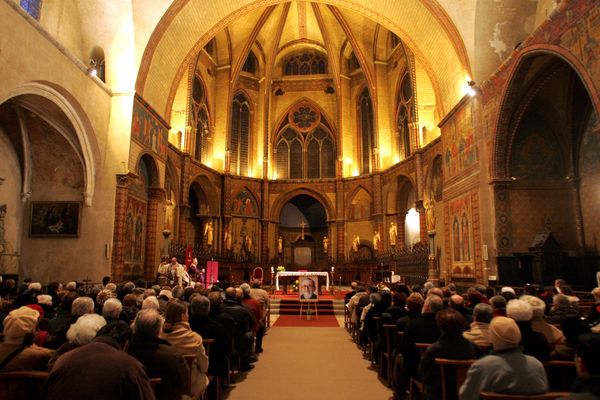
x: 436, y: 179
x: 134, y: 229
x: 502, y: 24
x: 148, y: 130
x: 581, y: 39
x: 589, y: 162
x: 460, y: 151
x: 461, y: 229
x: 360, y: 207
x: 535, y: 153
x: 244, y: 204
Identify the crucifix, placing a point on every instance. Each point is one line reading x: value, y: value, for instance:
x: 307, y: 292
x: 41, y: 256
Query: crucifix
x: 302, y: 225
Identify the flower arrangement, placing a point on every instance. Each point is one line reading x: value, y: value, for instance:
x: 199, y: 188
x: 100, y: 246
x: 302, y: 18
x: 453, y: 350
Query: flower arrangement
x: 280, y: 268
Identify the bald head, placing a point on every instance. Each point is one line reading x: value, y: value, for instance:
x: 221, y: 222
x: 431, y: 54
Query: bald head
x: 230, y: 293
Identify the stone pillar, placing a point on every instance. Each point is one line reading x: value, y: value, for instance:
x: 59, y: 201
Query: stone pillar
x: 156, y: 197
x: 184, y: 215
x: 118, y: 245
x: 340, y: 241
x: 401, y: 242
x: 433, y: 275
x: 422, y: 221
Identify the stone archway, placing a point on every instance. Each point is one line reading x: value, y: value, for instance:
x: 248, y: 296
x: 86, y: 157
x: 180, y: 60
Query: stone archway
x: 302, y: 229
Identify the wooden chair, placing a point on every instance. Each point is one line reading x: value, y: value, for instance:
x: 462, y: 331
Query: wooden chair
x: 460, y: 368
x: 561, y: 374
x: 416, y: 385
x: 25, y: 385
x: 214, y: 388
x: 545, y: 396
x: 386, y: 354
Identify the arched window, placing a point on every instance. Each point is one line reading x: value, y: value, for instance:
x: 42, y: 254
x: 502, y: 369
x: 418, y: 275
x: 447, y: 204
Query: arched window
x: 306, y: 63
x: 404, y: 116
x: 251, y: 64
x: 367, y: 141
x: 310, y: 155
x: 33, y: 7
x: 239, y: 135
x: 200, y: 121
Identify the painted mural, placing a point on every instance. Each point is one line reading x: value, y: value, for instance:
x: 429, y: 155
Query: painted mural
x: 460, y: 151
x: 134, y: 229
x: 244, y: 204
x: 360, y: 207
x: 535, y: 153
x: 461, y: 229
x: 148, y: 130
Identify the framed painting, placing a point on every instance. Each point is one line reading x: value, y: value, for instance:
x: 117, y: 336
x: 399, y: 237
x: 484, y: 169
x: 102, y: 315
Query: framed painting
x: 55, y: 219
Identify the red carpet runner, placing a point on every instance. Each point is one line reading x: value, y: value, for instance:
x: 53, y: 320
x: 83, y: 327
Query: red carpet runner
x: 324, y: 321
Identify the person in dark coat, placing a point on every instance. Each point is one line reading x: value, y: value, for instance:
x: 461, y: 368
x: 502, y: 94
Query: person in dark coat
x: 451, y: 345
x: 208, y: 328
x: 587, y: 384
x: 99, y: 370
x: 419, y: 330
x: 159, y: 358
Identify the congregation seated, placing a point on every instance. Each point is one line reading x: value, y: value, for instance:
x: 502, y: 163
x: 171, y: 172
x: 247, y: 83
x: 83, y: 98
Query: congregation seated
x: 396, y: 310
x: 111, y: 310
x: 533, y: 343
x: 176, y: 330
x: 498, y: 304
x: 478, y: 332
x: 208, y: 328
x: 451, y: 345
x: 258, y: 328
x: 159, y: 358
x: 422, y: 329
x: 538, y: 322
x: 243, y: 334
x: 572, y: 328
x: 457, y: 302
x: 507, y: 370
x: 80, y: 333
x: 99, y: 370
x: 561, y: 308
x: 414, y: 306
x: 587, y: 385
x: 17, y: 351
x: 593, y: 317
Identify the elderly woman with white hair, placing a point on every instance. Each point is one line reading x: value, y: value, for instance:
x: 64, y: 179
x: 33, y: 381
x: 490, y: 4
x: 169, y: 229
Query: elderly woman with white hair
x: 80, y: 333
x: 111, y: 310
x: 533, y: 343
x: 538, y: 321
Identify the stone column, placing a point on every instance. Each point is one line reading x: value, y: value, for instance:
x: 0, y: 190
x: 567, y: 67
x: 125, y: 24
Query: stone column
x: 156, y: 197
x: 422, y: 221
x: 118, y: 251
x: 184, y: 215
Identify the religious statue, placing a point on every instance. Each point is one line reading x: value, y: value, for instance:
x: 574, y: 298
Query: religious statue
x: 355, y: 243
x: 376, y: 241
x: 208, y: 232
x: 393, y: 233
x: 279, y: 245
x: 325, y: 244
x: 248, y: 242
x: 430, y: 213
x: 227, y: 240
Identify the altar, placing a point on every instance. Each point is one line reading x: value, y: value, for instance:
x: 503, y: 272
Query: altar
x: 302, y: 273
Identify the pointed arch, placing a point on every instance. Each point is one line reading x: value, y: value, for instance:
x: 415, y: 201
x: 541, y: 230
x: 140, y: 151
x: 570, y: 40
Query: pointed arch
x: 239, y: 143
x: 83, y: 141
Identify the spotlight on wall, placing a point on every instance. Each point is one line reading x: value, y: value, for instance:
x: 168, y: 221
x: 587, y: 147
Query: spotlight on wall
x: 471, y: 92
x: 92, y: 71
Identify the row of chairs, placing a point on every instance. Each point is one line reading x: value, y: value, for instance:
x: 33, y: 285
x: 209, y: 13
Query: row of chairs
x: 560, y: 373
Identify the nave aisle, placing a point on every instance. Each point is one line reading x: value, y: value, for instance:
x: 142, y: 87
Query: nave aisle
x: 310, y: 363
